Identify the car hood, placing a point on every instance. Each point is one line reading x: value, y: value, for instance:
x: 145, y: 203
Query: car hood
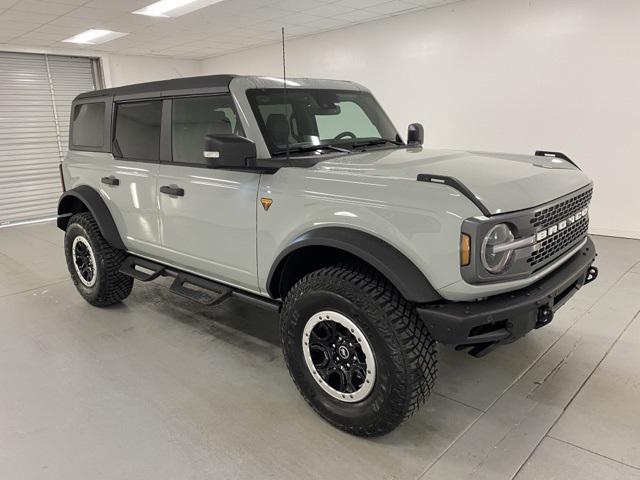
x: 501, y: 182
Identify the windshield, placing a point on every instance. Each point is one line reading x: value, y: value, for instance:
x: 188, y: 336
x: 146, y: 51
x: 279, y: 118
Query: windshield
x: 320, y: 119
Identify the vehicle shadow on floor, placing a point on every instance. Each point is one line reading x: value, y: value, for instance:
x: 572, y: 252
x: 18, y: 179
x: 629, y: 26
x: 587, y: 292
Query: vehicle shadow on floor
x: 233, y: 321
x: 256, y: 331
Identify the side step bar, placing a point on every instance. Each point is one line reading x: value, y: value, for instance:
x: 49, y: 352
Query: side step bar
x: 207, y: 292
x: 151, y: 270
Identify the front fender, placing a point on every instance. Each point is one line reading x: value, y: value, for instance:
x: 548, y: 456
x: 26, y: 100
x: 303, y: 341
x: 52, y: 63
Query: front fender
x: 420, y: 220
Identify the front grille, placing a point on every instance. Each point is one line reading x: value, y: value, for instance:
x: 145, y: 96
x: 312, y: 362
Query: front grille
x: 549, y: 231
x: 560, y: 211
x: 553, y: 246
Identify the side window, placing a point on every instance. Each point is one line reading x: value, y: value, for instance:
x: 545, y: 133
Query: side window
x: 137, y: 135
x: 195, y: 117
x: 351, y: 118
x: 88, y: 125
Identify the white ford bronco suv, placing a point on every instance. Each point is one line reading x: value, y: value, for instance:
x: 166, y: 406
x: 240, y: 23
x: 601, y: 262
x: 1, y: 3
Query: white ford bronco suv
x: 300, y: 195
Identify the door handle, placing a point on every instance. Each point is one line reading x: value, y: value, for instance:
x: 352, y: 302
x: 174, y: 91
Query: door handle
x: 173, y: 190
x: 110, y: 180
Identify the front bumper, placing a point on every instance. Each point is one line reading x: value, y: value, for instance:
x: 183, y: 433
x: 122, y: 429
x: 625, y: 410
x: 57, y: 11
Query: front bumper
x: 504, y: 318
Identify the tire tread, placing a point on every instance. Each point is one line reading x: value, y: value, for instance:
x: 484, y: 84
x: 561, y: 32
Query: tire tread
x: 413, y: 350
x: 113, y: 285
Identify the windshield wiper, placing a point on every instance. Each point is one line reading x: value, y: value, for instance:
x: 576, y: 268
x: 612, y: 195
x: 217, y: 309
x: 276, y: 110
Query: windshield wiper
x: 375, y: 141
x: 311, y: 148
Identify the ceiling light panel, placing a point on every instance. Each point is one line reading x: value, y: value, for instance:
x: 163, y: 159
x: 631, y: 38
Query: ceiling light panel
x: 174, y: 8
x: 94, y: 36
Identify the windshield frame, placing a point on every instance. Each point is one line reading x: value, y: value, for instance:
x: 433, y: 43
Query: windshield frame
x: 275, y: 151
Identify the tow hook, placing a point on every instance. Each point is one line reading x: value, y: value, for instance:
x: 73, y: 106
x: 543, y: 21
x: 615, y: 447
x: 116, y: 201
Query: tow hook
x: 545, y: 315
x: 592, y: 274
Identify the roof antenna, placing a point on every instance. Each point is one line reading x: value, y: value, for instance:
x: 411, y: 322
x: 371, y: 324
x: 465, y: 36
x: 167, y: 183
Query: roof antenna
x: 284, y: 81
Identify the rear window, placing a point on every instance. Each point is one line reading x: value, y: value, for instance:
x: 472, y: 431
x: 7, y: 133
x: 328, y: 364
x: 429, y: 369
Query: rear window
x: 88, y: 125
x: 138, y: 130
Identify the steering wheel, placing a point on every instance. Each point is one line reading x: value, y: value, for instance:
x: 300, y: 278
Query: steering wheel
x: 342, y: 135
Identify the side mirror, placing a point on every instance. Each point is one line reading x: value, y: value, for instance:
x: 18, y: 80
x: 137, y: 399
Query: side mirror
x: 415, y: 134
x: 228, y: 151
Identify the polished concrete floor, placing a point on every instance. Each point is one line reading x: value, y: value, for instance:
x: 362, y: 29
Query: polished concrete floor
x: 163, y: 388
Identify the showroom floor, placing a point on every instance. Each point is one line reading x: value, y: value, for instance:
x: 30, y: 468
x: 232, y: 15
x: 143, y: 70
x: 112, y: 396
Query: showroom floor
x: 163, y: 388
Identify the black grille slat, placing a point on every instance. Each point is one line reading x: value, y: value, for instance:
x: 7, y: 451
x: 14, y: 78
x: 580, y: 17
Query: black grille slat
x: 563, y: 240
x: 560, y: 211
x: 557, y: 244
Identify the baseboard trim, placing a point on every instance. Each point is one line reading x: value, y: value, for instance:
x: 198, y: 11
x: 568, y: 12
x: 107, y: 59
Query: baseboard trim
x: 613, y: 232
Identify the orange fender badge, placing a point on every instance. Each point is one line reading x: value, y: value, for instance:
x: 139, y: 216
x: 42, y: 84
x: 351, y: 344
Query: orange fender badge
x: 266, y: 203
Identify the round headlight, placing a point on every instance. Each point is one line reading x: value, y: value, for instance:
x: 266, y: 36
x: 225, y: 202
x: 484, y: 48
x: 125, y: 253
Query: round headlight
x: 497, y: 262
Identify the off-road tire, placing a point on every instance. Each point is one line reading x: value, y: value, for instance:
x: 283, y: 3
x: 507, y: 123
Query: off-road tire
x: 111, y: 286
x: 405, y: 353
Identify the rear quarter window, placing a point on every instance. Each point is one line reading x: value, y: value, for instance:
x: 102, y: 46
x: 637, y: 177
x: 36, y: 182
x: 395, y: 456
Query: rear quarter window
x: 87, y: 125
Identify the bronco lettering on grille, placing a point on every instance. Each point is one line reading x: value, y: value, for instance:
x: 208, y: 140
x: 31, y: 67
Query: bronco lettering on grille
x: 553, y: 229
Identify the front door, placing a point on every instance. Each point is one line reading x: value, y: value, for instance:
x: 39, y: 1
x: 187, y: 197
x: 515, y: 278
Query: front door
x: 208, y: 216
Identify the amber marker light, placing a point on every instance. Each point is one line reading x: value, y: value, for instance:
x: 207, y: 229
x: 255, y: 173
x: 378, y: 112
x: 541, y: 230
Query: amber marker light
x: 266, y: 203
x: 465, y: 249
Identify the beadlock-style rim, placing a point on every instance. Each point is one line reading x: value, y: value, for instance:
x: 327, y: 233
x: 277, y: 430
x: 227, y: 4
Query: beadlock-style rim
x: 339, y: 356
x: 84, y: 261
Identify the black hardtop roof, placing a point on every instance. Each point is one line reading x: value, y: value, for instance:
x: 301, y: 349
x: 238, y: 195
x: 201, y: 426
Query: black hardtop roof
x: 205, y: 81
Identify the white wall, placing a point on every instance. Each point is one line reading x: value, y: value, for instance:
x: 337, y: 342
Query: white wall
x: 126, y: 69
x: 506, y: 75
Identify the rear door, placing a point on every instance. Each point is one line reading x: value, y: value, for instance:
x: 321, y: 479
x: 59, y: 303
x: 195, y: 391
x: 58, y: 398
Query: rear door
x: 129, y: 181
x: 208, y: 216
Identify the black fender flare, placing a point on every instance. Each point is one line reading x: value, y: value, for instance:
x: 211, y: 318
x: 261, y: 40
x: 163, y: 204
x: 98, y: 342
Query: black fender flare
x: 68, y: 205
x: 382, y: 256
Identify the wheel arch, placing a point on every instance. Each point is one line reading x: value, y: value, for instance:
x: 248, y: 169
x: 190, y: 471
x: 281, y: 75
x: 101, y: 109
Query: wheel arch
x: 329, y: 245
x: 84, y: 198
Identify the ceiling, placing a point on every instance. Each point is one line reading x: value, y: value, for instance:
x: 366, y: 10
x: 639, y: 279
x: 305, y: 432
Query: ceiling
x: 218, y: 29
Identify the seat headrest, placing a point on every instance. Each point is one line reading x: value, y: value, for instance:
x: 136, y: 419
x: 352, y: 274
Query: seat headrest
x: 278, y: 128
x: 220, y: 123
